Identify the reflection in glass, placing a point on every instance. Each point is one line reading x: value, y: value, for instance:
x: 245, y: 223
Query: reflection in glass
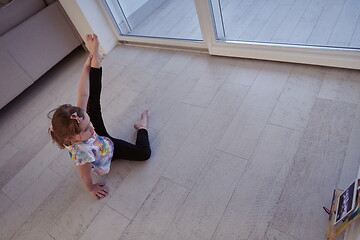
x: 334, y: 23
x: 156, y: 18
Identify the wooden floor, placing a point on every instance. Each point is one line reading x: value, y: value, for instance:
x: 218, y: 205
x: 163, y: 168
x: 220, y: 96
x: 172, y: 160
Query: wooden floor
x: 242, y: 149
x: 333, y: 23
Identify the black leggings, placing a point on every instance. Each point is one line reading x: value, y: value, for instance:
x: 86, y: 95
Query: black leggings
x: 122, y: 150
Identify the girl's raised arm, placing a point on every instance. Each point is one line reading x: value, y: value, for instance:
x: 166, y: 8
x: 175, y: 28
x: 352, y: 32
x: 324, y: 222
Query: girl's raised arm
x: 83, y: 89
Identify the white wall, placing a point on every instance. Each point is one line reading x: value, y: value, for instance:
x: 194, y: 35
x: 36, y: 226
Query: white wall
x: 89, y: 16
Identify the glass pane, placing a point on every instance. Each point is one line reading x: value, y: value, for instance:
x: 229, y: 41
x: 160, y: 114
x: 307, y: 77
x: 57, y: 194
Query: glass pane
x: 156, y: 18
x: 330, y: 23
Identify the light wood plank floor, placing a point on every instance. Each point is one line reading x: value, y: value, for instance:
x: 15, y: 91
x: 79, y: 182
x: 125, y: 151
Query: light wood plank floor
x: 242, y: 149
x: 333, y: 23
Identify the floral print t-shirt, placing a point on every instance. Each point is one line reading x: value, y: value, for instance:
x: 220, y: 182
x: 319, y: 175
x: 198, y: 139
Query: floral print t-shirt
x: 96, y: 150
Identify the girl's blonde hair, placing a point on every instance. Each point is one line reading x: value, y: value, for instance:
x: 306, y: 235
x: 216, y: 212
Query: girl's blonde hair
x: 62, y: 125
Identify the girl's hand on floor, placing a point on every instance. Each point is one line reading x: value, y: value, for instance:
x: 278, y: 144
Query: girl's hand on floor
x: 99, y: 192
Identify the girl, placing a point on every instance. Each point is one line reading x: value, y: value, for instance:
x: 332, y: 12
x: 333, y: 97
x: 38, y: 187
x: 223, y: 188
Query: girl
x: 74, y: 128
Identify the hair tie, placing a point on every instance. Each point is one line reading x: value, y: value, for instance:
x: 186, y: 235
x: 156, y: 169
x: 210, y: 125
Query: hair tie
x: 74, y: 116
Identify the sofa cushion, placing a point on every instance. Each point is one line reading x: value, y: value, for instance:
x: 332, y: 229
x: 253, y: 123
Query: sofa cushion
x: 17, y: 12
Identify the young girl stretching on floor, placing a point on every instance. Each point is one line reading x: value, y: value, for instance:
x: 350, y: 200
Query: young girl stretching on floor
x: 74, y: 128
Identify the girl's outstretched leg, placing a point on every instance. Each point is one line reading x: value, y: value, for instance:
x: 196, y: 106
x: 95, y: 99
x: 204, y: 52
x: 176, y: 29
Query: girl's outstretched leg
x: 95, y: 74
x: 140, y: 151
x: 93, y: 106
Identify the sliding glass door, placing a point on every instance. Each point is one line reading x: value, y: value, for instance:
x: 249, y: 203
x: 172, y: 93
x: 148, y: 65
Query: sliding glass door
x: 324, y: 32
x: 322, y: 23
x: 170, y: 19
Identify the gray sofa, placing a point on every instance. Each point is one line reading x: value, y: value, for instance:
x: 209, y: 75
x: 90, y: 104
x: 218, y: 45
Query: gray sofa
x: 34, y: 36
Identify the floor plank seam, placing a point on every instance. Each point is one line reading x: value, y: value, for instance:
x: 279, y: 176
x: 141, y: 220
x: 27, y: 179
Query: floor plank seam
x: 231, y: 197
x: 295, y: 238
x: 118, y: 212
x: 285, y: 127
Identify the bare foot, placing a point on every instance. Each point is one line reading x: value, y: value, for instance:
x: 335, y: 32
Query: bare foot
x: 93, y: 45
x: 142, y: 123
